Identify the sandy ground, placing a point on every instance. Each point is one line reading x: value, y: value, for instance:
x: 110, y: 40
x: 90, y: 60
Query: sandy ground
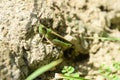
x: 21, y: 48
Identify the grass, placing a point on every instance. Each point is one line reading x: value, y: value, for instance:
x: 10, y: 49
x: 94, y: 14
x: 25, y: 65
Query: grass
x: 104, y: 38
x: 43, y: 69
x: 108, y: 72
x: 105, y: 70
x: 68, y: 71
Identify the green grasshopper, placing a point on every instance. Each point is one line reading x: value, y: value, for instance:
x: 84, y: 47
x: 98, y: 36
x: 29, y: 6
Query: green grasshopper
x: 55, y: 38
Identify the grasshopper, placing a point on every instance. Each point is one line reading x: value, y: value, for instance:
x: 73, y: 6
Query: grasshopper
x: 55, y: 38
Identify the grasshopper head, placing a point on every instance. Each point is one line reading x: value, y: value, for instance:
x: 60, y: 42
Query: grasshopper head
x: 42, y: 29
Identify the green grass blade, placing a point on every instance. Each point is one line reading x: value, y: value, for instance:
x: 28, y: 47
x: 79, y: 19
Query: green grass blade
x: 62, y: 76
x: 43, y: 69
x: 104, y: 38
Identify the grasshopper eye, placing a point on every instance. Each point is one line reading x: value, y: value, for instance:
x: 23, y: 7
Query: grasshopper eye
x: 42, y: 29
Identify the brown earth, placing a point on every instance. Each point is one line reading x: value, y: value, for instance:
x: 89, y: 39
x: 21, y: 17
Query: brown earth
x: 21, y: 48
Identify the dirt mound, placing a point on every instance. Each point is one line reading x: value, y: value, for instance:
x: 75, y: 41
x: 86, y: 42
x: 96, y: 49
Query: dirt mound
x: 22, y: 49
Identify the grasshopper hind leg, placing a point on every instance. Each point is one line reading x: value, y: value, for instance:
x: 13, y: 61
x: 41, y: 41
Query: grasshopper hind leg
x: 62, y: 44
